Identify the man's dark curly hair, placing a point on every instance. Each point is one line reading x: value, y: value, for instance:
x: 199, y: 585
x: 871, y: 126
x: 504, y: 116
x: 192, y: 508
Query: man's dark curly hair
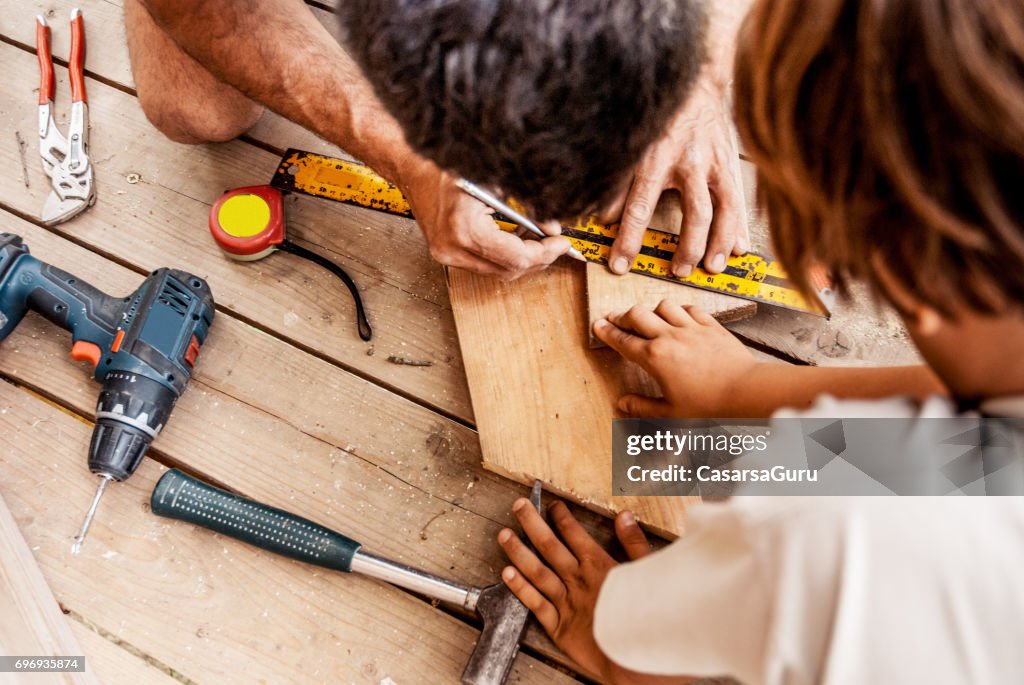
x: 552, y: 102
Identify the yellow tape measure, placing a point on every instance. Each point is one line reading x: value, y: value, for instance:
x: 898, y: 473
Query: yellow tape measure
x: 749, y: 276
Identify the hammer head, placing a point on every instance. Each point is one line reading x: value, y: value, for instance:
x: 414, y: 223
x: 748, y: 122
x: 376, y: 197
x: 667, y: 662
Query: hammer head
x: 504, y: 618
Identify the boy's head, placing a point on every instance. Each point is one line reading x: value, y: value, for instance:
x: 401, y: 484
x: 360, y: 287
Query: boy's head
x: 889, y: 141
x: 551, y: 101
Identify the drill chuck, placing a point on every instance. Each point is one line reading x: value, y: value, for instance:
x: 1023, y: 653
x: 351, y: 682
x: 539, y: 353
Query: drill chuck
x: 131, y: 411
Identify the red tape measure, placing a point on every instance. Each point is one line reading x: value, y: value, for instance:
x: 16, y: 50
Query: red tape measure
x: 248, y: 224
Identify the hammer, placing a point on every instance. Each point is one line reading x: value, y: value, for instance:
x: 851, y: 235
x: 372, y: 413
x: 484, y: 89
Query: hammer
x: 179, y: 496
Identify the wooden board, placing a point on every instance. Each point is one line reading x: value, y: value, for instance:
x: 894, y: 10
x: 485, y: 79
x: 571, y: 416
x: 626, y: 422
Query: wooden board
x: 608, y: 292
x: 31, y: 623
x: 543, y: 402
x: 115, y: 664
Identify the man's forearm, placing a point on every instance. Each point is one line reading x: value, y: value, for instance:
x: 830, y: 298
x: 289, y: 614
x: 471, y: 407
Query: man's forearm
x: 277, y: 53
x: 724, y: 20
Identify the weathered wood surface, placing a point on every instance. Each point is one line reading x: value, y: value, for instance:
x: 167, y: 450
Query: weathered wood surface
x: 406, y: 482
x: 215, y: 609
x: 115, y: 664
x: 31, y: 623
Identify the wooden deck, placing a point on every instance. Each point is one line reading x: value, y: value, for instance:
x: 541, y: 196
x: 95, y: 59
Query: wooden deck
x: 288, y: 406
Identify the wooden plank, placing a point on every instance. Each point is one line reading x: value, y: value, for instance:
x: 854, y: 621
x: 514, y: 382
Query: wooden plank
x: 214, y: 609
x: 356, y: 448
x: 161, y: 220
x: 115, y: 665
x: 544, y: 403
x: 608, y: 292
x: 31, y: 623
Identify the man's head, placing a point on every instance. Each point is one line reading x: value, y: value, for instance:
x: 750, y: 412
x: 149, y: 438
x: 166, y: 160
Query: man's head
x: 889, y: 141
x: 552, y: 102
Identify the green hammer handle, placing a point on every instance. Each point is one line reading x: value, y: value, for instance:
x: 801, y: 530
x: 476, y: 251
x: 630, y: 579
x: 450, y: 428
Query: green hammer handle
x: 179, y: 496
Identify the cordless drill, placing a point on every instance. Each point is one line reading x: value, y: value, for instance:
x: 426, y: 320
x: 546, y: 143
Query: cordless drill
x: 143, y: 348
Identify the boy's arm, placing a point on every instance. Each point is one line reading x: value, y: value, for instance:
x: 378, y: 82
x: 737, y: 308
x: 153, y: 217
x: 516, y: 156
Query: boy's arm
x: 781, y: 386
x: 704, y: 371
x: 277, y: 53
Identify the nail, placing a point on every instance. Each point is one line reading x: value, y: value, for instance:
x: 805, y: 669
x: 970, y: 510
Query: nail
x: 627, y: 518
x: 600, y: 323
x: 519, y: 504
x: 504, y: 536
x: 509, y: 573
x: 620, y: 265
x: 718, y: 262
x: 683, y: 271
x: 743, y: 246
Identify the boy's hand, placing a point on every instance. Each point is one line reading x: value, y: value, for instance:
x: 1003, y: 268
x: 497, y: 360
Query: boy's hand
x: 698, y: 365
x: 562, y: 593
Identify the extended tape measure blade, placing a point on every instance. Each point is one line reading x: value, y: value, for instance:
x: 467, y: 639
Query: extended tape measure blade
x: 339, y: 180
x: 749, y: 277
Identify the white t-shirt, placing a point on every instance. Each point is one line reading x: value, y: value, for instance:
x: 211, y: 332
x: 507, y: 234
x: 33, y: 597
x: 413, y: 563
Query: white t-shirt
x: 842, y: 590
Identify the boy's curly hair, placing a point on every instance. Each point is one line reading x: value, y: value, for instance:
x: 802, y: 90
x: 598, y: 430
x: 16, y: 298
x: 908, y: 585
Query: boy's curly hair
x: 552, y: 102
x: 889, y: 138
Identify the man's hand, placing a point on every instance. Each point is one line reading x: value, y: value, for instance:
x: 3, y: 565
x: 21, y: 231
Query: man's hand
x: 699, y: 365
x: 461, y: 231
x: 562, y: 592
x: 697, y: 156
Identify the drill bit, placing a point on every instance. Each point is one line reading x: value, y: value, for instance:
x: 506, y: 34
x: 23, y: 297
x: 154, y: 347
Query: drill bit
x: 80, y: 538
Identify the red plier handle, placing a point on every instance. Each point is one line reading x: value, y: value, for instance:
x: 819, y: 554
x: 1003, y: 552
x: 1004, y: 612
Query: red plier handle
x: 76, y: 61
x: 46, y: 81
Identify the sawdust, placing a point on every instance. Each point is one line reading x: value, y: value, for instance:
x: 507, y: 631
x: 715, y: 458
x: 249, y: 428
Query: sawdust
x: 22, y: 147
x: 402, y: 361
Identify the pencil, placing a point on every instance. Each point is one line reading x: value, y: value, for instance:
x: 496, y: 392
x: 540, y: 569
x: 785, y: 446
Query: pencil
x: 497, y: 205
